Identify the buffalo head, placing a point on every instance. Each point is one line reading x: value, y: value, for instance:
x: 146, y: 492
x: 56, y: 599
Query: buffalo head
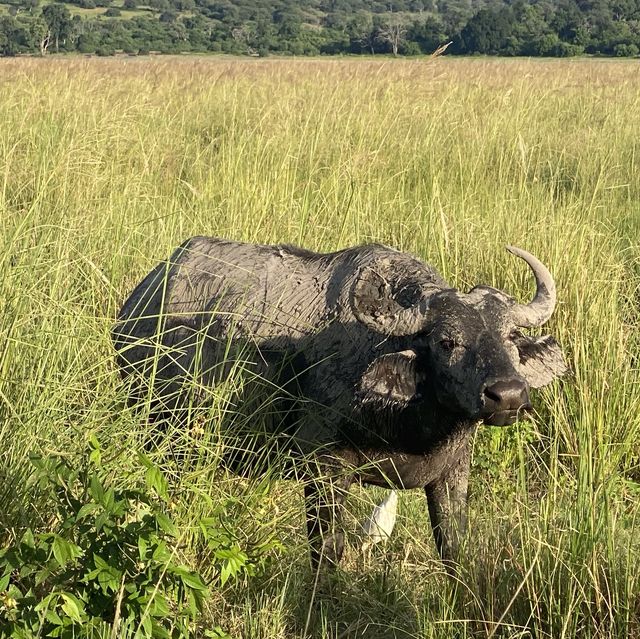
x: 462, y: 350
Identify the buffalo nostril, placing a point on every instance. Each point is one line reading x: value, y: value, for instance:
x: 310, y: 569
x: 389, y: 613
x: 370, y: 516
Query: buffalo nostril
x: 492, y: 395
x: 509, y: 394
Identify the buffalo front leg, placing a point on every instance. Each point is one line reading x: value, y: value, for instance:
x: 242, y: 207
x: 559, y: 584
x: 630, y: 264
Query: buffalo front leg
x: 447, y: 502
x: 324, y: 502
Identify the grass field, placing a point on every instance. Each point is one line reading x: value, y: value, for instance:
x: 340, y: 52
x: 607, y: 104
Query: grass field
x: 106, y: 165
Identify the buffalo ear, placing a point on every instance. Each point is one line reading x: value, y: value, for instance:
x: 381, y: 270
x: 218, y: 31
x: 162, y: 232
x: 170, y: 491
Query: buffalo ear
x: 388, y: 296
x: 541, y: 359
x: 391, y: 380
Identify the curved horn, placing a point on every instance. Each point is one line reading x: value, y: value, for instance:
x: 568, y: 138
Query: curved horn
x: 374, y: 305
x: 540, y: 308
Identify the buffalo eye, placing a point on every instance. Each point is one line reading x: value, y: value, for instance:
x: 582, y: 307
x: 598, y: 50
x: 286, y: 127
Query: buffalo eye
x: 447, y: 345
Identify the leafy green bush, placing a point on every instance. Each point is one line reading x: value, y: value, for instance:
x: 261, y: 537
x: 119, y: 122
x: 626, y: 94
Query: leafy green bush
x: 410, y: 48
x: 568, y: 50
x: 105, y: 51
x: 112, y: 558
x: 626, y: 50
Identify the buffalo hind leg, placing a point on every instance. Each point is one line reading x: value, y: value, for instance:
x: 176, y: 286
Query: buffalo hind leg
x: 447, y: 502
x: 324, y: 502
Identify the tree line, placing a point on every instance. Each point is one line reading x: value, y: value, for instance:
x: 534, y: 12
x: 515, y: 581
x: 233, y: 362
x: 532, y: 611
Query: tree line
x: 316, y: 27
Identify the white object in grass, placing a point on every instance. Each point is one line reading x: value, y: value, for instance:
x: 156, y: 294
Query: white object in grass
x: 379, y: 526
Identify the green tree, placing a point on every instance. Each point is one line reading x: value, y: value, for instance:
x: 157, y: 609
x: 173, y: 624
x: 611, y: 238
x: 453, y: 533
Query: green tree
x: 428, y: 35
x: 37, y: 32
x: 488, y: 31
x: 545, y: 45
x: 184, y: 5
x: 58, y: 21
x: 614, y: 34
x: 159, y: 5
x: 570, y: 23
x: 9, y: 38
x: 198, y: 32
x: 288, y: 24
x: 529, y: 27
x: 30, y: 5
x: 168, y: 16
x: 628, y: 50
x: 455, y: 14
x: 361, y: 33
x: 391, y: 32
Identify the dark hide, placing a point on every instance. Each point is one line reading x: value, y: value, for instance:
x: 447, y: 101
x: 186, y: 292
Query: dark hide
x: 382, y: 370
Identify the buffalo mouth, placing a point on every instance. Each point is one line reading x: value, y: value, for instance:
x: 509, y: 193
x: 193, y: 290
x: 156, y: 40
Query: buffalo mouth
x: 506, y: 417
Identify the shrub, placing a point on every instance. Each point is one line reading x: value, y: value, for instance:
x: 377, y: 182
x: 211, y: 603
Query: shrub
x: 410, y: 48
x: 568, y: 50
x: 111, y: 556
x: 626, y: 50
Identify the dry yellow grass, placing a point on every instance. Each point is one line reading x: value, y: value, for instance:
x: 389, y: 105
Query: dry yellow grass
x: 106, y: 165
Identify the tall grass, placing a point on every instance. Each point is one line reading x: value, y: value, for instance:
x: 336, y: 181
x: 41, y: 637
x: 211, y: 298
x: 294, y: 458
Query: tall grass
x: 105, y: 166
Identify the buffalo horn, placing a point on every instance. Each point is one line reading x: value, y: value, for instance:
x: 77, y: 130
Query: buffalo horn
x: 540, y: 308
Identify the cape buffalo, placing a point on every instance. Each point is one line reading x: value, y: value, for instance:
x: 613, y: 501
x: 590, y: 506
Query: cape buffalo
x: 387, y: 369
